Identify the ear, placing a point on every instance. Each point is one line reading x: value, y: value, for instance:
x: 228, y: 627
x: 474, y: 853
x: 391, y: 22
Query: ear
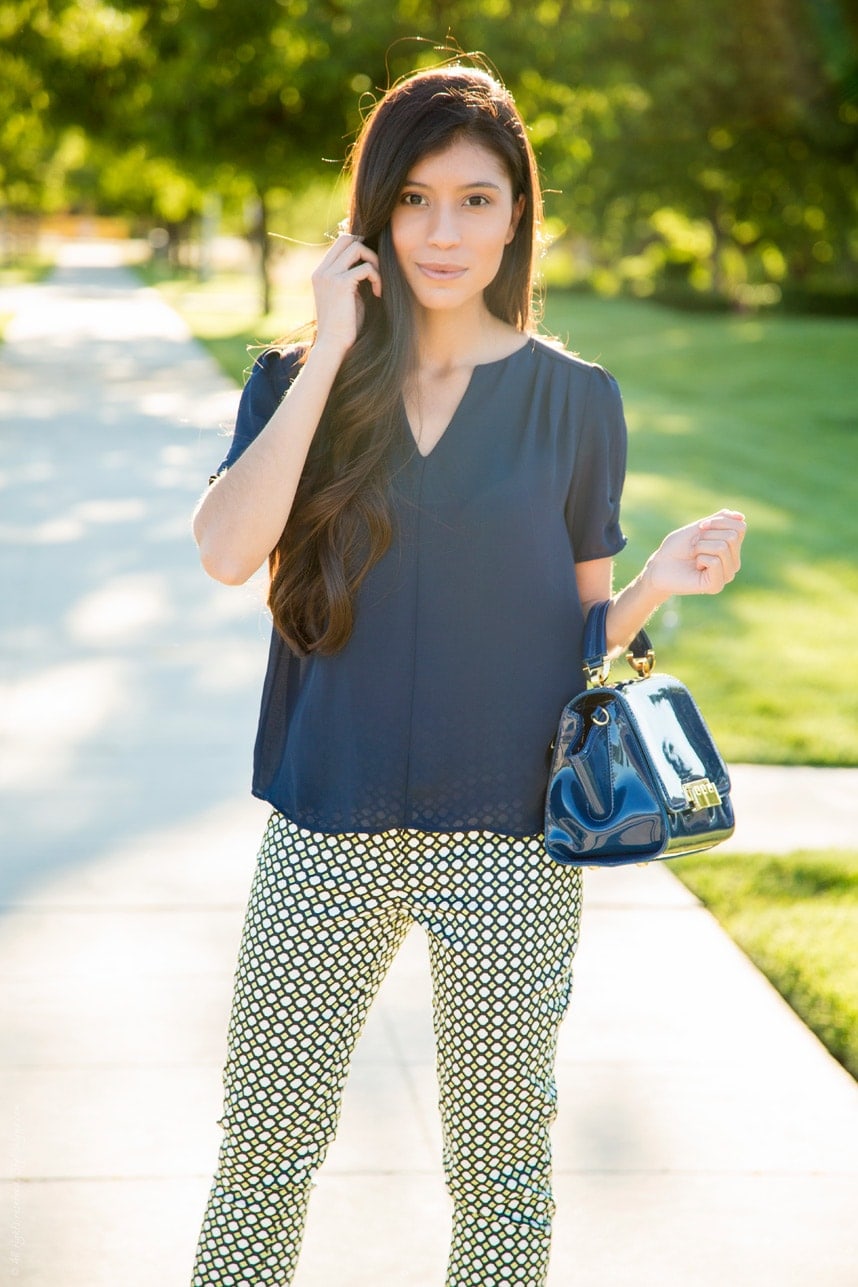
x: 517, y: 212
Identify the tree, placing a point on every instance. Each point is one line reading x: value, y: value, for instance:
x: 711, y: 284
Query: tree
x: 715, y: 142
x: 264, y: 101
x: 716, y: 139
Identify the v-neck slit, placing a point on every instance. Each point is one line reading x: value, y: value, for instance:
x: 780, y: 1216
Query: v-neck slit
x: 480, y: 366
x: 409, y: 428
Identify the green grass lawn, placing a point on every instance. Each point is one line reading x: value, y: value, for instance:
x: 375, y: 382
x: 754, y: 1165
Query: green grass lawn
x: 758, y: 413
x: 796, y: 917
x: 30, y: 268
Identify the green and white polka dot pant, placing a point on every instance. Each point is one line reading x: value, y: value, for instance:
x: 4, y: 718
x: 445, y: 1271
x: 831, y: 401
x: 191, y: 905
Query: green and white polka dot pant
x: 326, y: 917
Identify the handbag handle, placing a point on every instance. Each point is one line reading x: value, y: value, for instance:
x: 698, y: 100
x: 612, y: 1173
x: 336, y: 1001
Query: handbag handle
x: 597, y: 667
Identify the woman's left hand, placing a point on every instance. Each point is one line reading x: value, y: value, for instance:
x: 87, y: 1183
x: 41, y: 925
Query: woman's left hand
x: 698, y: 559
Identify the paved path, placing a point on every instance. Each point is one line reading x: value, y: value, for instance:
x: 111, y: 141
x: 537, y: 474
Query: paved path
x: 705, y: 1137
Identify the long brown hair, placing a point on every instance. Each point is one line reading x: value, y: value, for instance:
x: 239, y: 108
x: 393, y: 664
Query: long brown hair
x: 340, y: 524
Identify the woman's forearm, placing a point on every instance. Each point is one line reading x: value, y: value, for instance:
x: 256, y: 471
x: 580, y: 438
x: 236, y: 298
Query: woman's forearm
x: 241, y: 517
x: 629, y: 612
x: 629, y: 609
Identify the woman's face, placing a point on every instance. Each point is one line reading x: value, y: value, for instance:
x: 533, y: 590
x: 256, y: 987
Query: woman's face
x: 453, y: 219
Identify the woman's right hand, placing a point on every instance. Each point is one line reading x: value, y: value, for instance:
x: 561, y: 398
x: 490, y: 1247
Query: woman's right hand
x: 339, y: 307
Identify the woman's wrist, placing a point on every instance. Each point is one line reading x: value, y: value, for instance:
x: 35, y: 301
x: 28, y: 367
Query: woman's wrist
x: 631, y: 608
x: 326, y: 355
x: 651, y: 595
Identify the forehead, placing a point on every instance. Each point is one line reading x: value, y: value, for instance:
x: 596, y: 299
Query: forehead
x: 463, y: 161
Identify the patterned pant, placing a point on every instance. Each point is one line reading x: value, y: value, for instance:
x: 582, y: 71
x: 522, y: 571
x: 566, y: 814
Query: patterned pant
x: 326, y: 917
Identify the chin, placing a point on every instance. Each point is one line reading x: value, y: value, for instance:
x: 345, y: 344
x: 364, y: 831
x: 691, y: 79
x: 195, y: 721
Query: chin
x: 445, y: 297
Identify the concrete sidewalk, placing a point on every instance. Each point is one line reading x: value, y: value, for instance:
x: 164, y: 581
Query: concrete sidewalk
x: 704, y: 1137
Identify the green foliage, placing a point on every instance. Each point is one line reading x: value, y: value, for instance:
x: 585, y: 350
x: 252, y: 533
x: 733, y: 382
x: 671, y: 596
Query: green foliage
x: 26, y: 138
x: 711, y: 145
x: 796, y: 916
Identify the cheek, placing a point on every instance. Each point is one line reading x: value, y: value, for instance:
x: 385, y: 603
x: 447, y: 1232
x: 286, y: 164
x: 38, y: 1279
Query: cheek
x: 501, y: 242
x: 502, y: 232
x: 399, y: 239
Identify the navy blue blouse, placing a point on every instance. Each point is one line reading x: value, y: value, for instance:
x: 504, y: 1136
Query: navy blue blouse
x: 438, y: 713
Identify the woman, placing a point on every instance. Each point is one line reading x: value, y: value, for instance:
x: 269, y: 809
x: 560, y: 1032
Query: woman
x: 437, y: 492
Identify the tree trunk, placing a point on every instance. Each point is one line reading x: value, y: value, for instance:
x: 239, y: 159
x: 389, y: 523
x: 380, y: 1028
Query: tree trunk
x: 256, y: 217
x: 264, y: 258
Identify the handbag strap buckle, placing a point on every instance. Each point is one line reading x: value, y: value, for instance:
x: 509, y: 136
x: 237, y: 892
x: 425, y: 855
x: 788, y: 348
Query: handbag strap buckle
x: 642, y: 663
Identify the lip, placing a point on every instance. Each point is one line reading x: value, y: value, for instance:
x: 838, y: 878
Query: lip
x: 442, y: 272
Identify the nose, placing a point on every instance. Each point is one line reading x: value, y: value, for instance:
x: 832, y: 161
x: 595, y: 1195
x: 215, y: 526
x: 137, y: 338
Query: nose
x: 444, y: 230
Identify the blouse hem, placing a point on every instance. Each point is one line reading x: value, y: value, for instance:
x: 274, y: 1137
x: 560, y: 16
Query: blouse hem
x: 455, y: 830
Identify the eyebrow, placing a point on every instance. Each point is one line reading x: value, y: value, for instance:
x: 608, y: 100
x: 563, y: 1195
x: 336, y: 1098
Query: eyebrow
x: 479, y: 183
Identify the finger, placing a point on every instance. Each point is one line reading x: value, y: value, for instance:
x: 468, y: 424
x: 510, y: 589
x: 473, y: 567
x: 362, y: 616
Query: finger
x: 733, y: 533
x: 724, y: 514
x: 366, y: 272
x: 344, y: 252
x: 711, y: 574
x: 724, y: 552
x: 721, y: 543
x: 343, y: 242
x: 727, y: 520
x: 347, y: 269
x: 335, y: 251
x: 716, y: 569
x: 352, y: 251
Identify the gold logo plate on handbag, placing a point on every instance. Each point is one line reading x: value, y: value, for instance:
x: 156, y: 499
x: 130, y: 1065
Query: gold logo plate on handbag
x: 702, y: 794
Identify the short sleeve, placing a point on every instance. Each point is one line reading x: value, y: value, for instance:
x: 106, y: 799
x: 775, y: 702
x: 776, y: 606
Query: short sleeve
x: 593, y: 503
x: 272, y: 373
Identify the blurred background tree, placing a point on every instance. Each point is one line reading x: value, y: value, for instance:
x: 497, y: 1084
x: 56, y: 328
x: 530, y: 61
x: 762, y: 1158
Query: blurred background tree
x: 703, y: 153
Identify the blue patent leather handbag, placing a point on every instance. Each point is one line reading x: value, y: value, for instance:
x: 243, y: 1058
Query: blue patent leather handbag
x: 635, y: 774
